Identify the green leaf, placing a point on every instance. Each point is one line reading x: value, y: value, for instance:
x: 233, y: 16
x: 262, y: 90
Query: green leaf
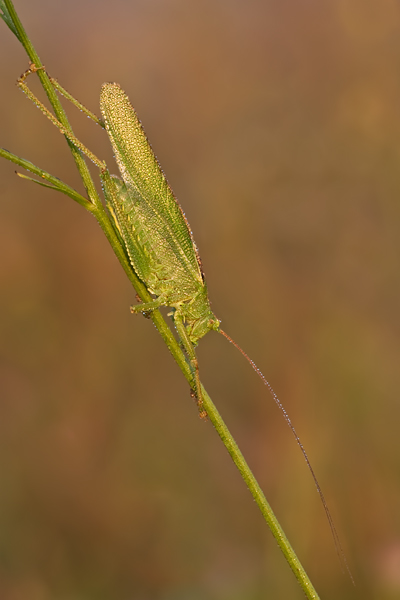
x: 5, y: 15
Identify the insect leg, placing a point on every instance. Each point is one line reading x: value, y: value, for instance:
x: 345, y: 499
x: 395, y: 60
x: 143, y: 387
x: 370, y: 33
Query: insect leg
x: 183, y: 335
x: 145, y: 307
x: 76, y: 102
x: 60, y: 126
x: 33, y: 69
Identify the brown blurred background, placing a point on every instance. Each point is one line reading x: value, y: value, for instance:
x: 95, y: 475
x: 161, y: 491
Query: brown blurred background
x: 278, y: 125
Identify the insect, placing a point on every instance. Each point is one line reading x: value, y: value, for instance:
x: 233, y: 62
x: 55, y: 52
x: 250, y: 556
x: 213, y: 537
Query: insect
x: 153, y: 227
x: 156, y: 236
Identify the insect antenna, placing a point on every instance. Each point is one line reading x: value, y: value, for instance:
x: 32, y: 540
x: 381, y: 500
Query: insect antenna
x: 335, y: 535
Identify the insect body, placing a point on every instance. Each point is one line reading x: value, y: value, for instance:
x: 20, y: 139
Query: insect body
x: 152, y: 225
x: 155, y: 231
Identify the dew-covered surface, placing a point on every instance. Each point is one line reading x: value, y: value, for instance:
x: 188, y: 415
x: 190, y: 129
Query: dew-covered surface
x: 278, y: 126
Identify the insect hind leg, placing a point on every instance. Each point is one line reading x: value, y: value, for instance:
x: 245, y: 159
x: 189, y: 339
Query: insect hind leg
x: 183, y: 335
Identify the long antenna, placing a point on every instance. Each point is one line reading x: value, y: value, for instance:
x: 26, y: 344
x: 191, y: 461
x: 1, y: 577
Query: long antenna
x: 279, y: 404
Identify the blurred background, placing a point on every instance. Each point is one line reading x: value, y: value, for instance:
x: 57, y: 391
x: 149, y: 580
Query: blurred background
x: 278, y: 125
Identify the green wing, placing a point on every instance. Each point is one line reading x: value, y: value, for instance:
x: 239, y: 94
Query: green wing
x: 162, y: 246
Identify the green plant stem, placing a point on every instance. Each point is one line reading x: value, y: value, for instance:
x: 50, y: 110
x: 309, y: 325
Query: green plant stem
x: 95, y: 206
